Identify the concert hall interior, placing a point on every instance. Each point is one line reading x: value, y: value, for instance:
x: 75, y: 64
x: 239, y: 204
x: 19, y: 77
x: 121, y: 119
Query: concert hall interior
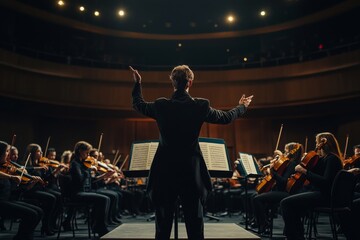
x: 65, y: 78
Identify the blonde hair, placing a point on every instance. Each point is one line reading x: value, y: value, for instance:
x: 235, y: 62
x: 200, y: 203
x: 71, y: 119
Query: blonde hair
x: 180, y: 76
x: 331, y: 145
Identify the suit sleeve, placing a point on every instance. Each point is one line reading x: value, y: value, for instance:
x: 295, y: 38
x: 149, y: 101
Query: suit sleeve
x: 145, y: 108
x: 224, y: 117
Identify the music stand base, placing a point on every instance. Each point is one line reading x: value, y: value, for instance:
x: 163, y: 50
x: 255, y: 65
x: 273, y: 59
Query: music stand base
x: 212, y: 217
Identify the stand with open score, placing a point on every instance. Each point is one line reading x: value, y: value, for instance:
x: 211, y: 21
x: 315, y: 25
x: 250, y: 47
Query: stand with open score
x: 248, y: 169
x: 214, y: 152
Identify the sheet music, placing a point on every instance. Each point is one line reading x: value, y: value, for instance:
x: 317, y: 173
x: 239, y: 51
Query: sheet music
x: 152, y: 150
x: 215, y: 156
x: 143, y: 155
x: 139, y: 153
x: 248, y: 163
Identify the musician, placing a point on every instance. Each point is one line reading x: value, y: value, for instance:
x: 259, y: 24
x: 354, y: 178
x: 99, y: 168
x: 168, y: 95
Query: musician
x: 99, y: 186
x: 81, y: 186
x: 317, y: 192
x: 51, y: 154
x: 354, y: 160
x: 14, y: 154
x: 29, y: 215
x: 178, y: 168
x: 47, y: 198
x: 65, y: 159
x: 270, y: 200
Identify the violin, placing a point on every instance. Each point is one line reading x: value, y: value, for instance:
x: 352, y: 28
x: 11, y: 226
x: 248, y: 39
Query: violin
x: 309, y: 161
x: 351, y: 161
x: 100, y: 166
x: 11, y: 169
x: 49, y: 162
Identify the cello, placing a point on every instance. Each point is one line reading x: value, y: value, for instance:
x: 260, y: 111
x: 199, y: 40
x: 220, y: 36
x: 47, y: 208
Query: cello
x: 279, y: 167
x: 309, y: 161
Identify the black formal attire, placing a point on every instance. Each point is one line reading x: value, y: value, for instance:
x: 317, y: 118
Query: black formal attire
x: 28, y: 214
x: 317, y: 193
x: 178, y: 168
x: 101, y: 188
x: 270, y: 200
x: 80, y: 191
x: 45, y: 199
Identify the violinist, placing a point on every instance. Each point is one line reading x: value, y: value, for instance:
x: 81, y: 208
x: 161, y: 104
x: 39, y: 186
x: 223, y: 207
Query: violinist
x: 65, y: 160
x: 354, y: 160
x: 317, y: 192
x: 270, y: 200
x: 29, y: 215
x: 99, y: 186
x: 80, y: 189
x: 14, y: 154
x: 48, y: 199
x: 51, y: 154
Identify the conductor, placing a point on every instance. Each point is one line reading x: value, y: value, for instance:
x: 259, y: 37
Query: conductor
x: 178, y: 168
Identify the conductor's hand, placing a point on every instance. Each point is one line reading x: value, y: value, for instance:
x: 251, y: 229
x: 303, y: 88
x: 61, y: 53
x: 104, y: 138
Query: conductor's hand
x: 245, y: 100
x: 136, y: 75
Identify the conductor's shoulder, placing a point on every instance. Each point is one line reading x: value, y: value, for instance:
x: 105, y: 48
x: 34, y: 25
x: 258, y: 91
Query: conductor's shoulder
x: 162, y: 100
x: 202, y: 101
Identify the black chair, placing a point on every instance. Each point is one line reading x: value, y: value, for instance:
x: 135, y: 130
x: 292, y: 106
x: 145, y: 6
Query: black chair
x: 74, y: 206
x: 341, y: 198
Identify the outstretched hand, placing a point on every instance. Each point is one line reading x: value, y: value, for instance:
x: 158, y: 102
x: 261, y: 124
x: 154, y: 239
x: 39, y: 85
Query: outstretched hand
x: 136, y: 75
x: 245, y: 100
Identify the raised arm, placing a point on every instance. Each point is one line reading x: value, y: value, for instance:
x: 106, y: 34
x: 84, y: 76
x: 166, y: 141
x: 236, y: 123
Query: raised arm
x: 138, y: 102
x: 225, y: 117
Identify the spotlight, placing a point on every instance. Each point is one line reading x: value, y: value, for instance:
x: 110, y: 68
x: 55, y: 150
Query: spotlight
x: 121, y: 13
x: 262, y: 13
x: 61, y: 3
x: 97, y: 13
x: 82, y: 8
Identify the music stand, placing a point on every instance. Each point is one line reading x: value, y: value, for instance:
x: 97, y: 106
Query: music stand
x: 248, y: 168
x: 215, y: 155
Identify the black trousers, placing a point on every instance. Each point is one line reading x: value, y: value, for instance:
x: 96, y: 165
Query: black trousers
x: 47, y: 202
x: 296, y: 206
x: 114, y: 202
x: 29, y: 214
x: 100, y: 209
x: 264, y: 201
x: 193, y: 215
x: 349, y: 221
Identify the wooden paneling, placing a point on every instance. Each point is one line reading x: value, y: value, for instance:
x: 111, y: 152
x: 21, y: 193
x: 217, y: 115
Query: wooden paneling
x: 72, y: 103
x: 310, y: 82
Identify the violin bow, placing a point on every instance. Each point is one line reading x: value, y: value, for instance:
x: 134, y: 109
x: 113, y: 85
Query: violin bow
x: 47, y: 145
x: 346, y: 144
x: 123, y: 163
x: 115, y: 157
x: 13, y: 140
x: 22, y: 172
x: 278, y: 140
x: 117, y: 160
x: 100, y: 140
x: 306, y: 143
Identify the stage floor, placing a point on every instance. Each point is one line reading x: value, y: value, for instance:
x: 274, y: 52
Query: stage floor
x: 145, y: 231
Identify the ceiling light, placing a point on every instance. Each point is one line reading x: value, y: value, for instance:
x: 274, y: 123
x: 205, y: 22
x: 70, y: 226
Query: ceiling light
x: 97, y: 13
x: 245, y: 59
x: 230, y: 18
x: 262, y: 13
x: 179, y: 45
x: 121, y: 13
x: 82, y: 8
x: 61, y: 3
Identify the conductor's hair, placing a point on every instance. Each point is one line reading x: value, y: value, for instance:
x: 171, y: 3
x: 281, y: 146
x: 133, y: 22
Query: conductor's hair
x: 180, y: 76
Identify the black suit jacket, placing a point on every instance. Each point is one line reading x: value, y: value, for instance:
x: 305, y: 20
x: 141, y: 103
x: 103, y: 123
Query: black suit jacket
x: 178, y: 162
